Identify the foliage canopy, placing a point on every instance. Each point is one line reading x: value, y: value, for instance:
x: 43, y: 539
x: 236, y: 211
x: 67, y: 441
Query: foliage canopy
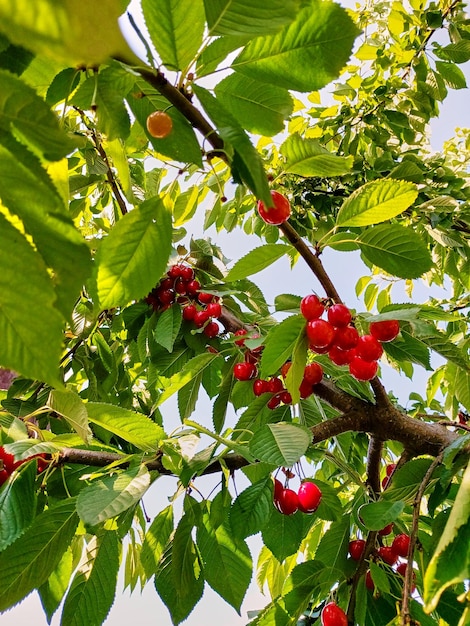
x: 94, y: 211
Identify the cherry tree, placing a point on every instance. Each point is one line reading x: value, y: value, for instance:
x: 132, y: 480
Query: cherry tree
x: 304, y: 124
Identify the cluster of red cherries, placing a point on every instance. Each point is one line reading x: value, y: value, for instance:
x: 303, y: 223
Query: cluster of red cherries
x: 287, y: 501
x: 180, y: 285
x: 8, y: 464
x: 337, y: 337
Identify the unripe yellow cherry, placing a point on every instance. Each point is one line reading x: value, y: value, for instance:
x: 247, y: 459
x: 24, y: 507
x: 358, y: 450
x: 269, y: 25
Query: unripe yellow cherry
x: 159, y: 124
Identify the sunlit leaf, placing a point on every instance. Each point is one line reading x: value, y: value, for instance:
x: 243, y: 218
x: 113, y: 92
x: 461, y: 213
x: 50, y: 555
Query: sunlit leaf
x: 307, y: 157
x: 281, y: 444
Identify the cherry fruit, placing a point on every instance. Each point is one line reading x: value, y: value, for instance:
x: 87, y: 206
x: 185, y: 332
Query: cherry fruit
x: 244, y: 371
x: 279, y: 213
x: 159, y: 124
x: 400, y: 544
x: 333, y: 615
x: 313, y: 373
x: 356, y: 548
x: 346, y: 338
x: 320, y: 333
x: 384, y: 331
x: 361, y: 369
x: 288, y: 502
x: 311, y: 307
x: 386, y: 530
x: 339, y: 315
x: 309, y: 496
x: 368, y: 348
x: 388, y: 555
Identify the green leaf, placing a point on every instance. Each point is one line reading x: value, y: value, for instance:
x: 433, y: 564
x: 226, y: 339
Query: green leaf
x: 26, y: 331
x: 283, y: 534
x: 188, y: 396
x: 48, y: 222
x: 156, y: 538
x: 252, y: 508
x: 53, y: 590
x: 307, y: 157
x: 287, y: 302
x: 227, y: 562
x: 452, y: 75
x: 186, y: 374
x: 248, y: 17
x: 320, y: 39
x: 280, y: 343
x: 450, y: 562
x: 257, y: 260
x: 462, y: 388
x: 93, y: 587
x: 71, y: 407
x: 330, y: 507
x: 28, y: 562
x: 17, y: 505
x: 23, y: 112
x: 303, y: 585
x: 136, y: 428
x: 104, y: 91
x: 332, y: 550
x: 280, y: 444
x: 377, y: 515
x: 109, y: 496
x: 458, y: 52
x: 168, y: 326
x: 396, y: 249
x: 220, y: 406
x: 167, y: 23
x: 133, y: 256
x: 375, y: 202
x: 409, y: 350
x: 181, y: 144
x: 257, y: 106
x: 67, y: 31
x: 246, y: 165
x: 179, y: 579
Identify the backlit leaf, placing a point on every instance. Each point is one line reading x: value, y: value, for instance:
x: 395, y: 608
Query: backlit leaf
x: 257, y: 260
x: 248, y: 17
x: 280, y: 343
x: 251, y: 509
x: 280, y: 444
x: 17, y: 505
x: 307, y: 157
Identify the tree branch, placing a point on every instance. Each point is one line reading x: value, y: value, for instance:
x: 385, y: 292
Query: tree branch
x: 374, y: 456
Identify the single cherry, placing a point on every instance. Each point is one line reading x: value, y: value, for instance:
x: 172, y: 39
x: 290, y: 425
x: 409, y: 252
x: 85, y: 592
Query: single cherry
x: 309, y: 497
x: 320, y: 333
x: 400, y: 544
x: 368, y: 348
x: 288, y: 502
x: 339, y: 315
x: 346, y: 338
x: 211, y: 330
x: 279, y: 213
x: 333, y: 615
x: 240, y: 333
x: 214, y: 309
x: 362, y: 370
x: 356, y: 548
x: 386, y: 530
x: 313, y: 373
x: 384, y: 331
x: 388, y: 555
x: 159, y: 124
x: 311, y: 307
x: 338, y: 356
x: 369, y: 582
x: 244, y: 371
x: 260, y: 386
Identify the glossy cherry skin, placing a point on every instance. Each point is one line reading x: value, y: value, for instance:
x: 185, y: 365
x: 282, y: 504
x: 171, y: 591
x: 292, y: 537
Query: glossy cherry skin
x: 212, y: 330
x: 386, y: 530
x: 260, y: 386
x: 288, y: 502
x: 369, y: 582
x: 309, y: 496
x: 320, y: 333
x: 338, y: 356
x: 159, y: 124
x: 279, y: 213
x: 368, y: 348
x: 346, y: 338
x: 400, y: 544
x: 313, y: 373
x: 363, y: 370
x: 384, y: 331
x: 388, y: 555
x: 339, y: 315
x: 356, y: 548
x: 244, y: 371
x: 333, y: 615
x: 311, y: 307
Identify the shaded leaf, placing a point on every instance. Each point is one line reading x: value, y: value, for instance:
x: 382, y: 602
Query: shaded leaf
x: 17, y: 505
x: 252, y: 508
x: 71, y: 407
x: 168, y: 326
x: 280, y: 343
x: 189, y: 370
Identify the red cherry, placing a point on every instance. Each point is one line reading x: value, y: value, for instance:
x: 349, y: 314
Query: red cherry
x: 4, y: 476
x: 384, y: 331
x: 356, y: 548
x: 166, y: 283
x: 240, y: 333
x: 274, y: 402
x: 313, y: 373
x: 400, y: 544
x: 285, y: 369
x: 166, y: 296
x: 260, y: 386
x: 193, y: 287
x: 320, y: 333
x: 311, y: 307
x: 306, y: 389
x: 175, y: 271
x: 368, y: 348
x: 346, y: 338
x: 200, y: 318
x: 386, y: 530
x: 189, y: 312
x: 369, y: 582
x: 288, y: 502
x: 362, y: 370
x: 285, y: 397
x: 205, y: 298
x: 309, y: 497
x: 181, y: 286
x: 339, y: 315
x: 387, y: 554
x: 43, y: 463
x: 338, y: 356
x: 9, y: 464
x: 211, y: 330
x: 244, y: 371
x: 275, y: 385
x: 402, y: 569
x: 159, y: 124
x: 214, y: 309
x: 278, y: 488
x: 187, y: 273
x: 333, y: 615
x: 390, y: 469
x: 279, y: 213
x: 385, y: 481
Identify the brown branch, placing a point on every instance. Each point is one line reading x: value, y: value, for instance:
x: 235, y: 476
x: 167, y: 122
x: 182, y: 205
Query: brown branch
x: 374, y: 457
x: 181, y: 102
x: 110, y: 176
x: 405, y: 610
x: 311, y: 259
